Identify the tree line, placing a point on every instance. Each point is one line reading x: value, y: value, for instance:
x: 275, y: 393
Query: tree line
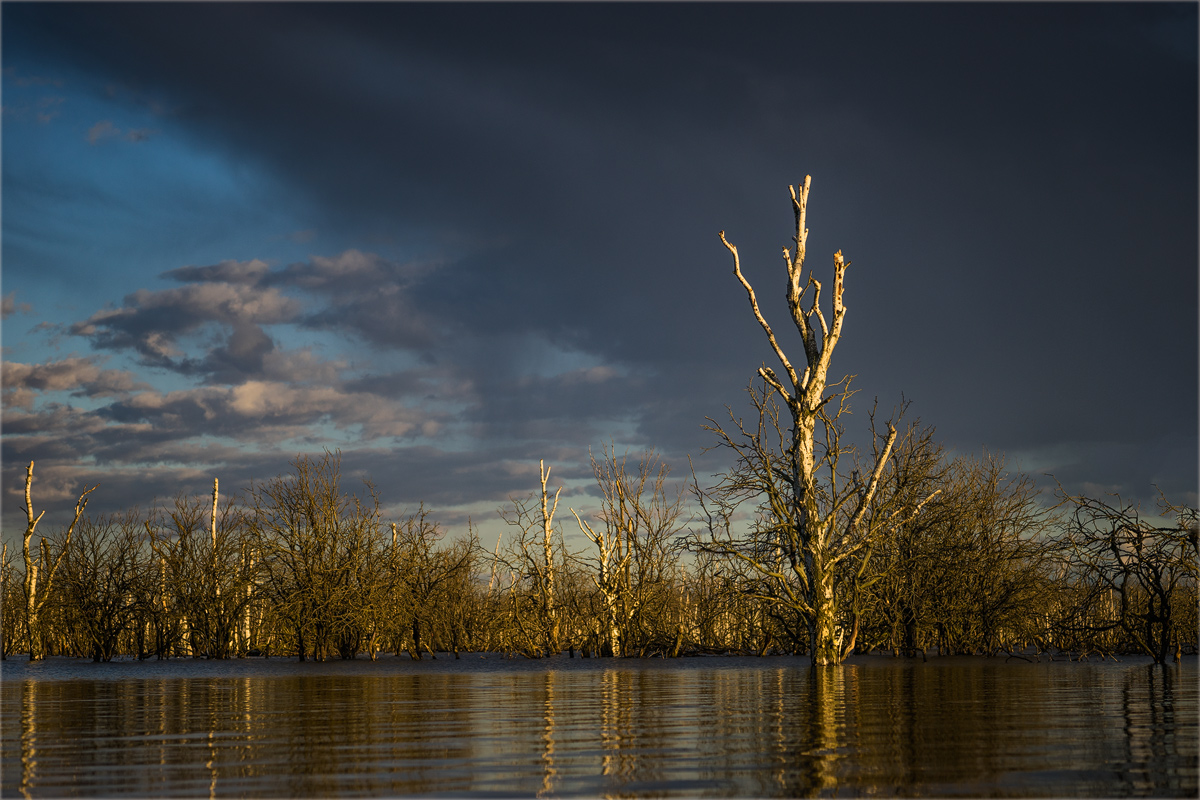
x: 298, y: 566
x: 807, y: 544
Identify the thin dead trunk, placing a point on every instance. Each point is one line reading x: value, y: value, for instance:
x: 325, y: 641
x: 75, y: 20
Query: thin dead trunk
x: 35, y: 596
x: 548, y: 600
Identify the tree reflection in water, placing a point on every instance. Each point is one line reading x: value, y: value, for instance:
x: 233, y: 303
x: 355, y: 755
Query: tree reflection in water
x: 827, y: 698
x: 771, y: 726
x: 28, y: 737
x: 547, y: 789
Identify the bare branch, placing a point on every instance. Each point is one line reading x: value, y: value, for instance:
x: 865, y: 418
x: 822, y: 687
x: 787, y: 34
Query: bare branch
x: 737, y: 270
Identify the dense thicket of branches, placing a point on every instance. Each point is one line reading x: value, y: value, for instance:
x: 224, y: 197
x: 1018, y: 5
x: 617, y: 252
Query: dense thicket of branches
x: 300, y: 567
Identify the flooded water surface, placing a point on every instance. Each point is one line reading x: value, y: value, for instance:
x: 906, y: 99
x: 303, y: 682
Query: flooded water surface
x: 595, y: 727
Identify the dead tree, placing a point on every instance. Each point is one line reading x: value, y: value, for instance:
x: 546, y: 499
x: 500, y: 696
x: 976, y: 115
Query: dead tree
x: 35, y: 595
x: 206, y: 582
x: 548, y: 601
x: 5, y: 622
x: 612, y: 557
x: 635, y: 563
x: 536, y: 531
x: 103, y: 584
x: 429, y: 576
x: 1111, y: 551
x: 814, y: 525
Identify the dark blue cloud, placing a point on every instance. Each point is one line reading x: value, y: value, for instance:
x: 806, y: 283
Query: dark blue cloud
x: 506, y: 199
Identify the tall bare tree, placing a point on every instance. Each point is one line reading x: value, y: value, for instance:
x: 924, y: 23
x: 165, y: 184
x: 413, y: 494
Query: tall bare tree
x: 536, y: 554
x: 813, y: 524
x: 47, y: 565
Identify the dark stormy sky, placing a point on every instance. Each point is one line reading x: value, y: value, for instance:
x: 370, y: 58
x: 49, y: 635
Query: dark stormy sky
x: 452, y: 239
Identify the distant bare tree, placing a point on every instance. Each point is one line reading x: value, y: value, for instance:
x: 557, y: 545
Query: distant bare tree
x: 206, y: 573
x: 103, y: 579
x: 635, y: 562
x: 428, y: 571
x: 969, y: 573
x: 1111, y: 551
x: 8, y: 598
x: 315, y: 539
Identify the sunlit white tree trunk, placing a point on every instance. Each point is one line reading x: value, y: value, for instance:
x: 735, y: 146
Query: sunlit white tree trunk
x: 532, y: 556
x: 35, y: 596
x: 807, y: 529
x: 548, y: 599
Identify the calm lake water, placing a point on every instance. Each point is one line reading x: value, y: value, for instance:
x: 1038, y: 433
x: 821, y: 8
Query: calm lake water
x: 599, y: 727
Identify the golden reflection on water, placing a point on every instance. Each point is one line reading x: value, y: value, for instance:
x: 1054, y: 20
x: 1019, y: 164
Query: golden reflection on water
x: 758, y: 729
x: 548, y: 736
x: 28, y: 736
x: 827, y: 695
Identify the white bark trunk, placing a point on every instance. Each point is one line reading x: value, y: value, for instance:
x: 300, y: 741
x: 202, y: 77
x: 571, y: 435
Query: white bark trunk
x: 550, y: 607
x: 811, y: 535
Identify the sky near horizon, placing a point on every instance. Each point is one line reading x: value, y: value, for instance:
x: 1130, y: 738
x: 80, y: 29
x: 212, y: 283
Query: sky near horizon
x: 450, y: 240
